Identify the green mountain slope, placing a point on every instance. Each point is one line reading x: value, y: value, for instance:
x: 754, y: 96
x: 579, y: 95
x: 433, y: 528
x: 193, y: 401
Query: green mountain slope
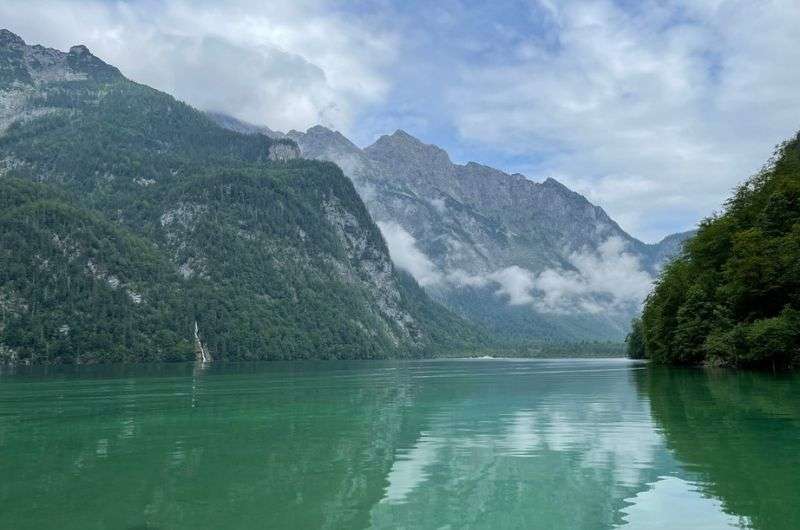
x: 75, y: 287
x: 272, y: 256
x: 733, y: 297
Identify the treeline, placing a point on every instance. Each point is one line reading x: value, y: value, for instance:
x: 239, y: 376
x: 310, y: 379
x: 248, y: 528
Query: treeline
x: 555, y: 349
x: 733, y: 296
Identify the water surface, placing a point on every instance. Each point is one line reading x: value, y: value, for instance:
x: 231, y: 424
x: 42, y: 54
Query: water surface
x: 572, y: 444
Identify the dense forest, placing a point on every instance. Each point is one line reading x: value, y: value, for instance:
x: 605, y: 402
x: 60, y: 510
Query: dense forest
x: 733, y: 296
x: 127, y: 216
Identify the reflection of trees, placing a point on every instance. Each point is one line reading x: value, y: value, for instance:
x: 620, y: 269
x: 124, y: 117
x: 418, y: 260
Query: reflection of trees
x: 738, y: 433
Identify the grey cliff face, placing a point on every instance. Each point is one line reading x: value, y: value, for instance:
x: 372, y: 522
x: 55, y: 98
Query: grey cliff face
x: 22, y: 64
x: 493, y: 218
x: 283, y: 152
x: 26, y: 72
x: 670, y: 246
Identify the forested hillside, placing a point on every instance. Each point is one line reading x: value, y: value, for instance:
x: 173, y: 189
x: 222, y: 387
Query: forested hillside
x: 733, y: 296
x: 128, y: 216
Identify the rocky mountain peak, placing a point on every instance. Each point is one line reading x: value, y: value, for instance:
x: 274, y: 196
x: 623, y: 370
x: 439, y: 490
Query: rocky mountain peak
x: 81, y: 60
x: 9, y: 39
x: 319, y: 140
x: 476, y: 224
x: 403, y: 147
x: 402, y: 135
x: 553, y: 186
x: 79, y: 49
x: 553, y: 183
x: 21, y: 64
x: 318, y: 131
x: 401, y: 138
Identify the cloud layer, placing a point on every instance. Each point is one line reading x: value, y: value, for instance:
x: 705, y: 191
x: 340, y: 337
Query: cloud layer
x: 609, y: 279
x: 288, y: 64
x: 406, y: 255
x: 654, y: 109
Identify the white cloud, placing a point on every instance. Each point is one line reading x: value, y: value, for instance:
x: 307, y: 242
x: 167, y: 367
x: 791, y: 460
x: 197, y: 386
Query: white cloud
x: 288, y: 64
x: 655, y: 111
x: 439, y: 204
x: 515, y: 283
x: 405, y: 254
x: 609, y: 279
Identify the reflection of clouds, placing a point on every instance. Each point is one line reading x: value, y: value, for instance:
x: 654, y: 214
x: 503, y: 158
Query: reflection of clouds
x: 618, y: 436
x: 628, y: 446
x: 523, y: 434
x: 520, y: 435
x: 408, y: 469
x: 677, y: 504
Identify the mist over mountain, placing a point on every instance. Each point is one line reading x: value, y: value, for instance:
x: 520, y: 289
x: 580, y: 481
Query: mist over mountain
x: 532, y: 260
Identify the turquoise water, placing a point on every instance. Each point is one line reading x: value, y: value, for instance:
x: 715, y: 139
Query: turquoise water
x: 572, y: 444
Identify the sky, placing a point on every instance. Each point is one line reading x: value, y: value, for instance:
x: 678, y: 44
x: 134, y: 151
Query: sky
x: 655, y: 110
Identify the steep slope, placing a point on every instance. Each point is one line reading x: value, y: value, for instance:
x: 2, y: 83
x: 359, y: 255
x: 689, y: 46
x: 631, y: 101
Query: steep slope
x: 75, y: 287
x: 530, y: 260
x: 669, y: 247
x: 733, y: 296
x: 276, y: 257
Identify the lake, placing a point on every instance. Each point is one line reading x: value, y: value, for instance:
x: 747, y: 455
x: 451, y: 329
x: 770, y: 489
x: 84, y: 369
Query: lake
x: 494, y: 444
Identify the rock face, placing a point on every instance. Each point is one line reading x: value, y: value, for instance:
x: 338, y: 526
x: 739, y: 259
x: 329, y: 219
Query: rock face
x: 278, y: 151
x: 28, y: 73
x: 670, y: 247
x: 283, y: 152
x: 498, y: 248
x: 22, y: 65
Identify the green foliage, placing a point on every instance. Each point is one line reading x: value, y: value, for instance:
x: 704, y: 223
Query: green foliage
x: 635, y: 341
x: 74, y: 287
x: 733, y: 296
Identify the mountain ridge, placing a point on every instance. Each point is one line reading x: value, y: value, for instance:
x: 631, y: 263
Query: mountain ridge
x: 322, y: 132
x: 472, y: 226
x: 271, y: 256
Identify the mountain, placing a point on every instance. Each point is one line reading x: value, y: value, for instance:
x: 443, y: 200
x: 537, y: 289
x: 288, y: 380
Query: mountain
x: 530, y: 260
x: 134, y: 228
x: 733, y: 296
x: 669, y: 247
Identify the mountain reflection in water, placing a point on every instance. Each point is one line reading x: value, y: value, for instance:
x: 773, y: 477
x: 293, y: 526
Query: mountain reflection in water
x: 454, y: 443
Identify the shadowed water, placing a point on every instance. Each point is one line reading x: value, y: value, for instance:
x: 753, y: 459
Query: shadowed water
x: 573, y: 444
